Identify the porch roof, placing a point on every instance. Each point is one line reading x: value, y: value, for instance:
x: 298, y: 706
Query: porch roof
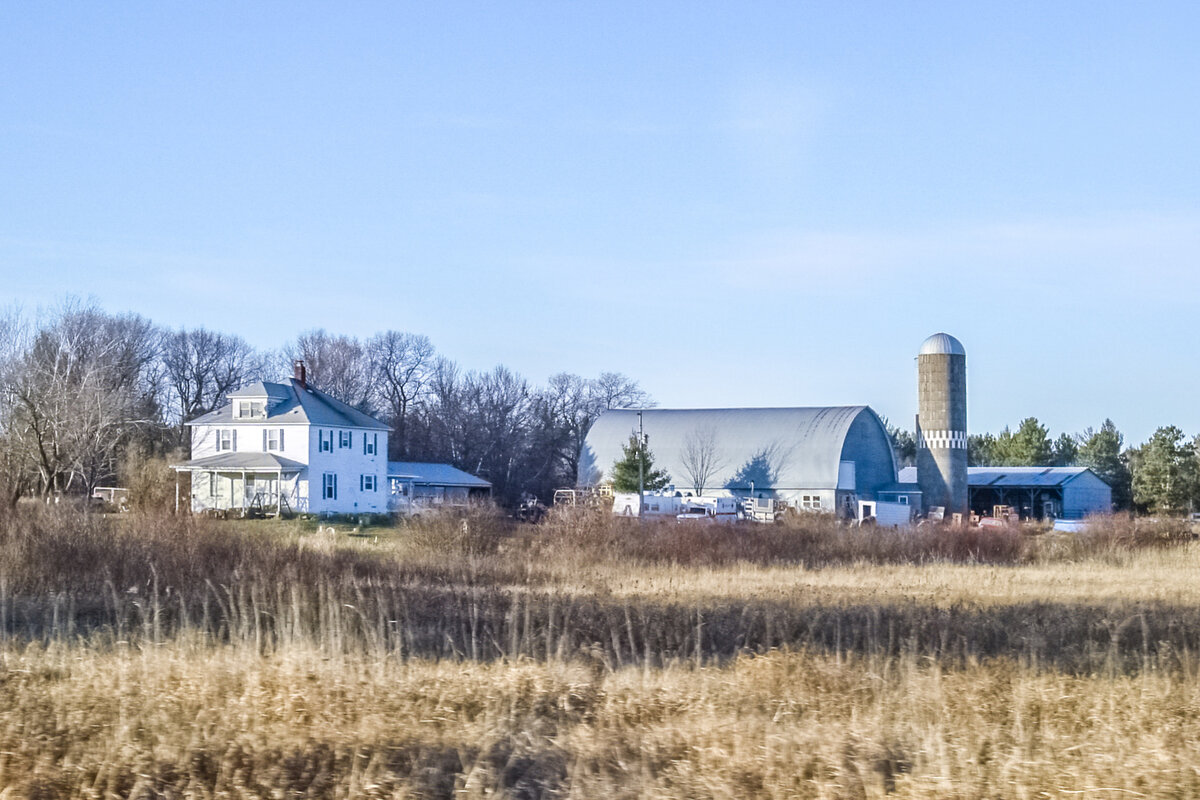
x: 241, y: 462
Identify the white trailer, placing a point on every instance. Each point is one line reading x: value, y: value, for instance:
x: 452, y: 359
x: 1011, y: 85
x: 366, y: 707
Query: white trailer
x: 658, y: 504
x: 709, y: 509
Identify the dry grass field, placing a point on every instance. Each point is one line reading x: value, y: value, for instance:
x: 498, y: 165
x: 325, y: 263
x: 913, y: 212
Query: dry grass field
x: 157, y: 657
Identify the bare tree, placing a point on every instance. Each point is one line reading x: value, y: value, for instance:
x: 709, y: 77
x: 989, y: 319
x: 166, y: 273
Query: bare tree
x: 201, y: 367
x: 614, y: 390
x: 337, y: 365
x: 701, y: 457
x: 402, y: 365
x: 84, y: 385
x: 16, y: 464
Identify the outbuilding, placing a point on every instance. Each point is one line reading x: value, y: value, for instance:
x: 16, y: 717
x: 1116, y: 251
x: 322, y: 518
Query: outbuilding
x: 1034, y: 492
x: 421, y: 483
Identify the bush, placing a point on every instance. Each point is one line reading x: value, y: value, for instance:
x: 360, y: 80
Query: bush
x: 151, y: 481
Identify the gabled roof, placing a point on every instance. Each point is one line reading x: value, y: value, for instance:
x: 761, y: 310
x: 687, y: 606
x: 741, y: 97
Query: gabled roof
x: 434, y: 474
x: 293, y: 404
x: 237, y: 462
x: 1023, y: 476
x: 1008, y: 477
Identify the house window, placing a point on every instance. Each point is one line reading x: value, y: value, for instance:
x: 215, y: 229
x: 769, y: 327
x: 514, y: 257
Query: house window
x: 250, y: 408
x: 370, y: 444
x: 903, y: 499
x: 367, y: 483
x: 344, y: 439
x: 226, y: 439
x: 329, y: 486
x: 810, y: 501
x: 212, y: 484
x: 272, y: 439
x: 325, y: 442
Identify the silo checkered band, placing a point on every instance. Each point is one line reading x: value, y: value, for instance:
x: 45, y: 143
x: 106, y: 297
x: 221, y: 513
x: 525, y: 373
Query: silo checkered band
x: 943, y: 440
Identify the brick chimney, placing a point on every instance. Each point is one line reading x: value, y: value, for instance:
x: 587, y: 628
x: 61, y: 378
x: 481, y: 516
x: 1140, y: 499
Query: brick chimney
x: 298, y: 373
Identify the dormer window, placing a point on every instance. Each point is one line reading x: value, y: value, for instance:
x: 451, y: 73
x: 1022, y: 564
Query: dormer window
x: 251, y: 409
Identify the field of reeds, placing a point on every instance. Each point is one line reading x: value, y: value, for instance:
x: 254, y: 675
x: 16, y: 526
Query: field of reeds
x: 154, y: 656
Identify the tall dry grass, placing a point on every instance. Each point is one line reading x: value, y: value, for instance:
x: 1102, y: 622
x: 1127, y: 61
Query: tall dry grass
x: 184, y: 720
x: 481, y: 594
x: 154, y: 656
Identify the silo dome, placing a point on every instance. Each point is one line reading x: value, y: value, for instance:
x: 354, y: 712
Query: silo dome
x: 942, y: 344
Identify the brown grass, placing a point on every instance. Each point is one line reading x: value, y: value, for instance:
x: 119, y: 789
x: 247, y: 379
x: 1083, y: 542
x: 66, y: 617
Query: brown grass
x: 147, y: 656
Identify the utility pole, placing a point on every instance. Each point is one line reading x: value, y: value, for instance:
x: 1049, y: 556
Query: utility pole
x: 641, y: 465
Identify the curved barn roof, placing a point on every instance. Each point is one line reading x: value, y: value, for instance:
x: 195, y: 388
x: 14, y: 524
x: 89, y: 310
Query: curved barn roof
x: 797, y: 447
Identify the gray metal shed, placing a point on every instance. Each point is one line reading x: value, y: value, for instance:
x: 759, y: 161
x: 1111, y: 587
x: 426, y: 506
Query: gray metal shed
x: 1061, y: 492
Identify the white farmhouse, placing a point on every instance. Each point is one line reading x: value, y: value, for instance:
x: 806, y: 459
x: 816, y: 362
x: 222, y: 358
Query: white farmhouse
x: 288, y: 446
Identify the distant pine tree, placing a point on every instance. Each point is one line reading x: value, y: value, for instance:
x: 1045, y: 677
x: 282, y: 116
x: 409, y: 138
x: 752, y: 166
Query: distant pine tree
x: 625, y: 469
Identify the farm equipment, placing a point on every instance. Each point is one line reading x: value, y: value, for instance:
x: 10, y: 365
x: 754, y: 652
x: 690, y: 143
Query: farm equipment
x: 590, y: 497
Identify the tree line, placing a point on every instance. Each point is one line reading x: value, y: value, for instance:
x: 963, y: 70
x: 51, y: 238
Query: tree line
x: 1162, y: 475
x: 86, y: 396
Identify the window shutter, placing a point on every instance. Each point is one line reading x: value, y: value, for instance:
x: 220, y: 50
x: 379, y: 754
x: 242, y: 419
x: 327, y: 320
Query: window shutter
x: 362, y: 482
x: 335, y: 486
x: 235, y: 439
x: 264, y: 440
x: 281, y: 438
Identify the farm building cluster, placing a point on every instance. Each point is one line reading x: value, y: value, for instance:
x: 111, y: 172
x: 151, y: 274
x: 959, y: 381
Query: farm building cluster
x: 289, y: 447
x: 840, y: 459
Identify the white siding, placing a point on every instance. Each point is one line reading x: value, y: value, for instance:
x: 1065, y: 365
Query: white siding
x: 300, y: 443
x: 250, y: 439
x: 349, y: 464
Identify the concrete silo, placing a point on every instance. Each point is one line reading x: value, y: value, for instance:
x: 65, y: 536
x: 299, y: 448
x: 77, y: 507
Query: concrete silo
x: 942, y: 423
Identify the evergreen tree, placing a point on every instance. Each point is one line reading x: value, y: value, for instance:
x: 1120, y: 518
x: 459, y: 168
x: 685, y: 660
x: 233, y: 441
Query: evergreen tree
x: 1065, y: 451
x: 625, y: 469
x: 981, y: 450
x: 1100, y: 451
x: 1028, y: 447
x: 904, y: 444
x: 1165, y: 478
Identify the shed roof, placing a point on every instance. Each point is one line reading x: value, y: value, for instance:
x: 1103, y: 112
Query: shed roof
x: 435, y: 474
x: 978, y: 477
x: 239, y: 462
x: 293, y: 404
x: 799, y: 447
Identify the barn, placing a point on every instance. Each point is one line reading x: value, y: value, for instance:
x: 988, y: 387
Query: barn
x: 818, y: 458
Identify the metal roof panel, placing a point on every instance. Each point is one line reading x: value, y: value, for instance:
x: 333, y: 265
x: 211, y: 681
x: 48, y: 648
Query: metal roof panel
x: 238, y: 462
x: 434, y: 474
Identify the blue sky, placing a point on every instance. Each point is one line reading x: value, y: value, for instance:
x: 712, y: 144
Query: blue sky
x: 737, y: 204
